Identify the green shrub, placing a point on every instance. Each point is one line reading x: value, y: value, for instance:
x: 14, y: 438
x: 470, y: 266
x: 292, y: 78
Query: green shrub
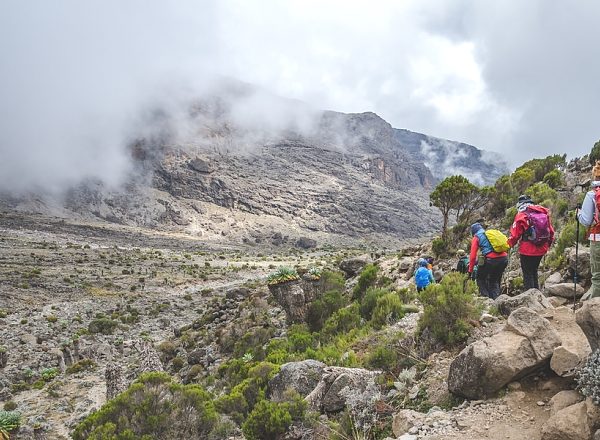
x: 448, y: 308
x: 103, y: 325
x: 300, y: 338
x: 388, y: 309
x: 282, y: 275
x: 370, y: 300
x: 323, y: 307
x: 342, y: 321
x: 367, y: 279
x: 152, y: 407
x: 82, y: 365
x: 383, y: 357
x: 556, y: 257
x: 267, y: 421
x: 47, y: 374
x: 9, y: 421
x: 234, y: 404
x: 253, y: 342
x: 439, y: 246
x: 11, y: 405
x: 332, y: 281
x: 553, y: 178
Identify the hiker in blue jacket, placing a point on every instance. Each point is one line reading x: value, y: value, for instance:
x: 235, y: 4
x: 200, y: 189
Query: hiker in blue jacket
x: 423, y: 275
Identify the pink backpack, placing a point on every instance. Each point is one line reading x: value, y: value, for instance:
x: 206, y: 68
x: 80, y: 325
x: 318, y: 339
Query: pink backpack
x: 539, y: 232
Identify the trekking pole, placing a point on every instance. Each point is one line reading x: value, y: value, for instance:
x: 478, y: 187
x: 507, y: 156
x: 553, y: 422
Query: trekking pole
x: 577, y: 208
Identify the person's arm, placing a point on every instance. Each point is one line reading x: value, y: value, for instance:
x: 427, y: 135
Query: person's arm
x: 517, y: 229
x: 473, y: 254
x: 588, y: 208
x: 431, y: 277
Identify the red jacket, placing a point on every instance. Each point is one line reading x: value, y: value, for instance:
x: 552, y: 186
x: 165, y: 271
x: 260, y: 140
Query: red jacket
x: 520, y: 225
x: 473, y: 254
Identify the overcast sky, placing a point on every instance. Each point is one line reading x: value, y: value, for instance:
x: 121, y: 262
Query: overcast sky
x: 517, y: 77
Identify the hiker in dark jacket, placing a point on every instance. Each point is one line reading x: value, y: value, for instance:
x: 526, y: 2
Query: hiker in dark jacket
x: 489, y: 274
x: 531, y: 220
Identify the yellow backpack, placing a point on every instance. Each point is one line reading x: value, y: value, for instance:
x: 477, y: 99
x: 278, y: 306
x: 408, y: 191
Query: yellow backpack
x: 498, y: 240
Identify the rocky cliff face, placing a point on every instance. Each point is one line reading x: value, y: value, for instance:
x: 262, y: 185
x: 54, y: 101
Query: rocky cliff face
x: 345, y: 177
x: 445, y: 158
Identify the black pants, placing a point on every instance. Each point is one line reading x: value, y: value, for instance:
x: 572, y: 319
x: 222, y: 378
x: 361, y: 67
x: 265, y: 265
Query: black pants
x: 529, y: 266
x: 489, y: 276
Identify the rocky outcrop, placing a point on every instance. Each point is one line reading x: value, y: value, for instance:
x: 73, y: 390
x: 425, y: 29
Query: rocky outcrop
x: 575, y: 422
x: 303, y: 376
x: 588, y: 318
x: 533, y: 299
x: 338, y: 385
x: 353, y: 266
x: 574, y: 347
x: 292, y: 299
x: 485, y: 366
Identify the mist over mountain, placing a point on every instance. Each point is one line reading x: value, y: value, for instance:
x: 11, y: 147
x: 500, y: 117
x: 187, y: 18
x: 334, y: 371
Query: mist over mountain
x: 445, y: 158
x: 241, y: 164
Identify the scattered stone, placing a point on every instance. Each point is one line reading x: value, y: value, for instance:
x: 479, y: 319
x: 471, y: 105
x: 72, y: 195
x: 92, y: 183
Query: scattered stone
x: 588, y: 318
x: 564, y: 399
x: 353, y: 266
x: 565, y: 290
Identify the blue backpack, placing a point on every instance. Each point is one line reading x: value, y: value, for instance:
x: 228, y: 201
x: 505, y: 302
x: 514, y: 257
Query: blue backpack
x: 484, y: 242
x: 422, y: 277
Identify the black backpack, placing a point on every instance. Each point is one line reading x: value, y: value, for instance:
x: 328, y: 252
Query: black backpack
x: 463, y: 265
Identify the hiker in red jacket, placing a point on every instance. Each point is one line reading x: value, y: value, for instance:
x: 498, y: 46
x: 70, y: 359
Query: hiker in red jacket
x: 532, y: 226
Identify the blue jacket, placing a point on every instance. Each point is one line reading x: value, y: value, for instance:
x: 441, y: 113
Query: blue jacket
x: 423, y: 277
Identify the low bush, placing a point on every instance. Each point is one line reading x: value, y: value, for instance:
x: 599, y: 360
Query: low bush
x: 282, y: 275
x: 448, y: 308
x: 269, y: 420
x: 367, y: 279
x: 388, y: 309
x: 322, y: 308
x: 370, y: 300
x: 106, y: 326
x: 152, y: 407
x: 342, y: 321
x: 9, y: 421
x: 588, y: 378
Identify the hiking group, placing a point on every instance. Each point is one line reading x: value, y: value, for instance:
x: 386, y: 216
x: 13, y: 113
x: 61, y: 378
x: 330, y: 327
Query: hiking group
x: 489, y: 252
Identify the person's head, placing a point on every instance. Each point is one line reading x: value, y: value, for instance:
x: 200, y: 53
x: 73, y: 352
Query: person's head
x: 523, y: 202
x: 596, y: 171
x: 429, y: 260
x: 460, y: 253
x: 475, y: 228
x: 422, y: 262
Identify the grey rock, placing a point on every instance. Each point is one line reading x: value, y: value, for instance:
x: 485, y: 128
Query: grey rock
x: 353, y: 266
x: 532, y: 299
x: 301, y: 376
x: 565, y: 290
x: 588, y: 318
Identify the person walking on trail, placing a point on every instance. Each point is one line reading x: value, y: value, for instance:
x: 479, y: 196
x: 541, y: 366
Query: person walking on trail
x: 462, y: 265
x: 588, y: 217
x: 423, y: 275
x: 489, y: 274
x: 533, y: 228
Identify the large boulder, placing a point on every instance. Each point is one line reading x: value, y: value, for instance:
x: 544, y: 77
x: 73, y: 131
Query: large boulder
x: 525, y: 344
x: 353, y: 266
x: 485, y: 366
x: 588, y: 318
x: 291, y: 297
x: 563, y: 399
x: 565, y: 290
x: 543, y: 338
x: 575, y: 422
x: 301, y: 376
x: 574, y: 347
x: 584, y: 271
x: 532, y: 299
x: 338, y: 385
